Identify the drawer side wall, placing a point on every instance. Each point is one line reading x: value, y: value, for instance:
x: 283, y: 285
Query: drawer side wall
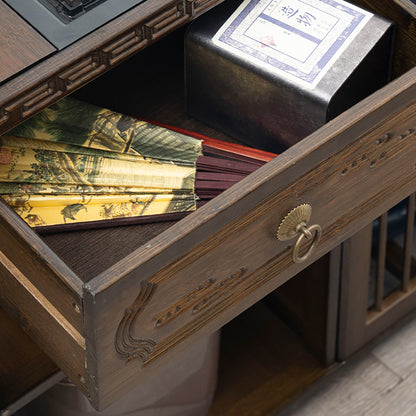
x: 39, y: 318
x: 41, y: 266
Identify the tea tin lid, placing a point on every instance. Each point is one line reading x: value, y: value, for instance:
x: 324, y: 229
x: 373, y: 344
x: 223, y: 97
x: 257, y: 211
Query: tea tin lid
x: 296, y: 39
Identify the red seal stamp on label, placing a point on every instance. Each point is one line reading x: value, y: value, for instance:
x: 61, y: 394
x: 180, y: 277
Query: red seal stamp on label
x: 6, y: 156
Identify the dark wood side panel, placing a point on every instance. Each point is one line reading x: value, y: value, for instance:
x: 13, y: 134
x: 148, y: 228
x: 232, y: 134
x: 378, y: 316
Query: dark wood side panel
x: 357, y: 324
x: 225, y: 257
x: 354, y: 292
x: 309, y: 303
x: 20, y: 45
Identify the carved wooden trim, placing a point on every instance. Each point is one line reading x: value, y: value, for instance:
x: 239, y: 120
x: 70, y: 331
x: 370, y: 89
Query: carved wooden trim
x: 94, y: 63
x: 127, y: 346
x: 198, y: 6
x: 380, y: 151
x: 206, y: 294
x: 313, y: 179
x: 184, y: 303
x: 245, y: 284
x: 216, y: 295
x: 250, y: 282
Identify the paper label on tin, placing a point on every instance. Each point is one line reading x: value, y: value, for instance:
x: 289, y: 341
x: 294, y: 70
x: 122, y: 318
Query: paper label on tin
x: 297, y: 39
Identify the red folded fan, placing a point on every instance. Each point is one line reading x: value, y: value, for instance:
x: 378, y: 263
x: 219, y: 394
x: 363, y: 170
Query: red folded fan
x: 222, y: 164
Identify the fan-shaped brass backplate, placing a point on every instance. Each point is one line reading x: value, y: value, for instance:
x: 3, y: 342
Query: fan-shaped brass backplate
x: 289, y: 226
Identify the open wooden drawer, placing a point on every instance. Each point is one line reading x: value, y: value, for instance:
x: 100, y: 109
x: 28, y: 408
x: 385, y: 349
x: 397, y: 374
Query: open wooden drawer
x: 111, y: 306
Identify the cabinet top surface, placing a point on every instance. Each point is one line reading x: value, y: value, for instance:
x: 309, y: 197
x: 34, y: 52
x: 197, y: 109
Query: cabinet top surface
x: 38, y: 68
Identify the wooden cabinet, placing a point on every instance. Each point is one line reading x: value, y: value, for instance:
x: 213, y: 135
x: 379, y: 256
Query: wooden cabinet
x: 378, y: 285
x: 110, y: 306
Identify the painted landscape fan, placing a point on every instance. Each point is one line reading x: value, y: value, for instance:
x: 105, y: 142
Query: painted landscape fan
x: 79, y: 164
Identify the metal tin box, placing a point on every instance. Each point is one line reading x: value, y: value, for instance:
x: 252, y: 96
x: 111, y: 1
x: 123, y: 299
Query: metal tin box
x: 261, y: 71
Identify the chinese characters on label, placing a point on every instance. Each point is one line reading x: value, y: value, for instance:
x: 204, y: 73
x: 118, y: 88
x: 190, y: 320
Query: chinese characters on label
x: 299, y: 39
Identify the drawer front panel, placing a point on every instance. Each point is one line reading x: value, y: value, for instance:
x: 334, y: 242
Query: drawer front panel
x: 225, y: 257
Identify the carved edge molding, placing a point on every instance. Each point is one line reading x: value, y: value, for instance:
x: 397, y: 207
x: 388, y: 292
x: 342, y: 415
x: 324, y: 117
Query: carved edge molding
x: 334, y: 166
x: 214, y: 296
x: 95, y: 63
x: 206, y: 294
x: 247, y: 283
x: 127, y: 346
x: 383, y: 148
x: 186, y: 302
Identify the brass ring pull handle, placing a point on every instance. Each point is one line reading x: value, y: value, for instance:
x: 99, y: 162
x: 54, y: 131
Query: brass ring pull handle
x: 296, y: 223
x: 314, y: 231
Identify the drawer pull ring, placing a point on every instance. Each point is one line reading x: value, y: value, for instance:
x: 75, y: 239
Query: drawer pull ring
x: 306, y: 232
x: 296, y: 223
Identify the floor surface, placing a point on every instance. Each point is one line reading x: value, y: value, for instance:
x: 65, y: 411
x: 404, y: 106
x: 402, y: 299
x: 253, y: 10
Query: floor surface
x: 379, y: 381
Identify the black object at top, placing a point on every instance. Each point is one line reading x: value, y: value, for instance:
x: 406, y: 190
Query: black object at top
x: 63, y: 22
x: 68, y: 10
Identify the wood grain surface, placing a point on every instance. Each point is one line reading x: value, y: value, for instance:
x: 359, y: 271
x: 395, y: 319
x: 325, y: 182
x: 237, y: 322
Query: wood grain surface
x: 93, y: 55
x: 379, y: 380
x: 170, y: 289
x: 326, y: 169
x: 20, y: 45
x: 22, y: 363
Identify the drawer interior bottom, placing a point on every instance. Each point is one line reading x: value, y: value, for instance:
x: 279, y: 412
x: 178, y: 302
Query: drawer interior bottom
x: 148, y: 86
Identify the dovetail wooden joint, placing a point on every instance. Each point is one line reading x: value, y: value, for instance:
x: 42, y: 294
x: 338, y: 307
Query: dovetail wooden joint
x: 24, y: 103
x: 125, y: 46
x: 49, y: 94
x: 36, y: 99
x: 190, y: 7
